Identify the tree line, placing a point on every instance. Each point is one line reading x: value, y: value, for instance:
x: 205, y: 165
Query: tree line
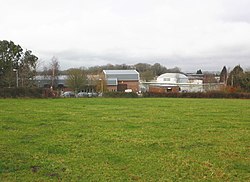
x: 18, y: 67
x: 147, y: 71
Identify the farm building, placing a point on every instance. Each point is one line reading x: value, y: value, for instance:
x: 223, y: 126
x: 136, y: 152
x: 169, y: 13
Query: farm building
x: 195, y: 78
x: 173, y: 82
x: 121, y: 80
x: 60, y: 82
x: 172, y: 78
x: 46, y: 81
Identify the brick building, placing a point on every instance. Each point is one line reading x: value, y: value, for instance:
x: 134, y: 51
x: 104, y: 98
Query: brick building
x: 121, y: 80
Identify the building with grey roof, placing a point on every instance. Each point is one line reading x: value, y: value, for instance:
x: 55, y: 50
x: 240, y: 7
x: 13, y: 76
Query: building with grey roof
x: 46, y: 81
x: 121, y: 80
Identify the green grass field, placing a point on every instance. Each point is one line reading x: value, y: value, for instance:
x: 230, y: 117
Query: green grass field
x: 102, y: 139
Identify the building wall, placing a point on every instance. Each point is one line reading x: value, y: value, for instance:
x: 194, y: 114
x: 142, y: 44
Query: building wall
x: 112, y: 88
x: 134, y: 85
x: 165, y: 89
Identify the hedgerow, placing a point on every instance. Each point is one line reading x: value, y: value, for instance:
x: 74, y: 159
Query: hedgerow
x: 212, y: 94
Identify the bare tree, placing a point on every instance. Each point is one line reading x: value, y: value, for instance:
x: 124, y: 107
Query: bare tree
x: 51, y: 72
x: 77, y: 79
x: 54, y: 71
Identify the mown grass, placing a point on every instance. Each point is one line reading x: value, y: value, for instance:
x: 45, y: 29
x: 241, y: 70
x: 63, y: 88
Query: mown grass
x: 124, y: 139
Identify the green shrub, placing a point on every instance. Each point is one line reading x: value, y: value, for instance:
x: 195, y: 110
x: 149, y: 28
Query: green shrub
x: 212, y: 94
x: 21, y: 92
x: 120, y: 95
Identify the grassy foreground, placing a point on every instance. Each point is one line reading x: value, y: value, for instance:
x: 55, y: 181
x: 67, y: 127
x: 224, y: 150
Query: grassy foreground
x: 124, y: 139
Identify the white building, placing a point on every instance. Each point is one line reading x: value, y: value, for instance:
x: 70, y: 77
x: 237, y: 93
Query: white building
x: 172, y: 78
x: 185, y: 82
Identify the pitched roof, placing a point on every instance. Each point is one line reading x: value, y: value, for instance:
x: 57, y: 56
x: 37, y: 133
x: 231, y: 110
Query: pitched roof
x: 121, y: 74
x: 120, y: 71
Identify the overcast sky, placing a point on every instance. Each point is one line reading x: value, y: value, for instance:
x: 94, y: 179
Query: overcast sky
x: 190, y: 34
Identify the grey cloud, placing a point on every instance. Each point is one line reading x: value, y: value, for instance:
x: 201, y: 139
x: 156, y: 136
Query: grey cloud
x: 190, y: 34
x: 236, y: 11
x: 211, y: 61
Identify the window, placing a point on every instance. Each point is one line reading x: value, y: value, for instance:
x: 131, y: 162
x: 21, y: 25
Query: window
x: 166, y: 79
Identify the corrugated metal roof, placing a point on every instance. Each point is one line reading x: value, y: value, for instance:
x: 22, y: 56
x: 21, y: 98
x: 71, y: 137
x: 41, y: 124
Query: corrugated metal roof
x: 122, y: 74
x: 42, y: 77
x: 120, y: 71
